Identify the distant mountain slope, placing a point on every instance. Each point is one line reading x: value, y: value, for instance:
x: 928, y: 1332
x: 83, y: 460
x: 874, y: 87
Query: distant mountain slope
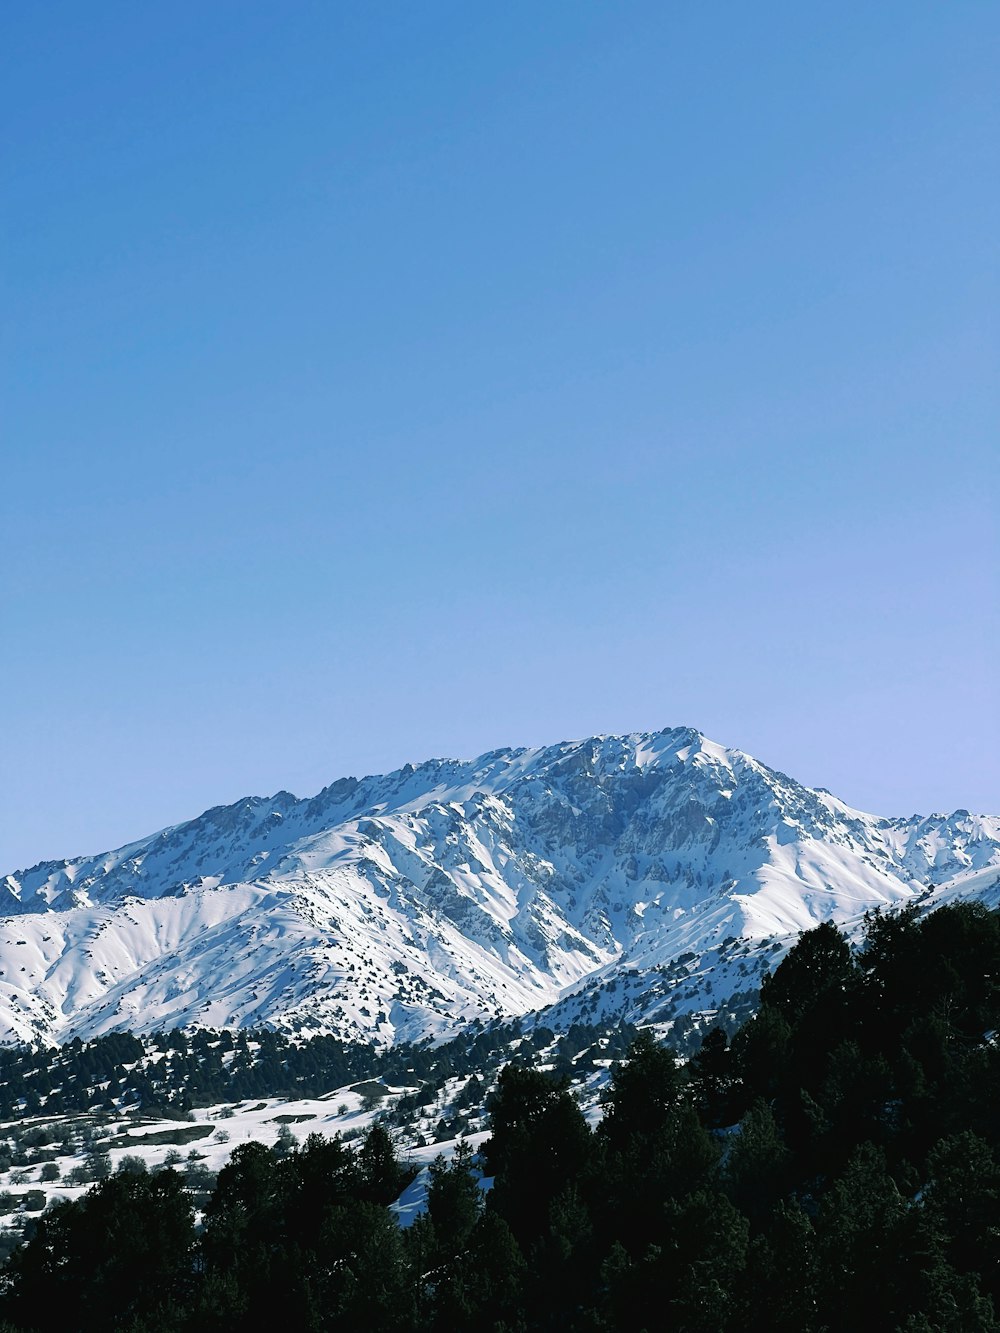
x: 407, y: 904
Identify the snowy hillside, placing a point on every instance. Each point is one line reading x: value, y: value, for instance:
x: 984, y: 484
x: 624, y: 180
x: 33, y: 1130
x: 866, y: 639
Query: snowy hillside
x: 653, y: 873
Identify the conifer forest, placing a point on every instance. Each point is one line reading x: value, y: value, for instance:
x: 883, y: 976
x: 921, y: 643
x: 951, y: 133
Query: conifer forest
x: 832, y: 1165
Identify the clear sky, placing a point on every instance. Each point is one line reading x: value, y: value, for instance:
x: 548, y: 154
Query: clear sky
x: 386, y: 381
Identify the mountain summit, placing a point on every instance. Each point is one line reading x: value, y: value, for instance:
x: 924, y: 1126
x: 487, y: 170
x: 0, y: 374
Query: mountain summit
x: 654, y: 873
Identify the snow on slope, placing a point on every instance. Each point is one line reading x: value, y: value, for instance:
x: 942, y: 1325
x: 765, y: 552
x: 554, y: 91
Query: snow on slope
x: 405, y: 905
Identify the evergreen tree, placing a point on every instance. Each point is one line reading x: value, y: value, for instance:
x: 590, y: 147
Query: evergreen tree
x: 540, y: 1143
x: 710, y: 1079
x: 962, y: 1203
x: 863, y: 1260
x: 781, y: 1275
x: 382, y: 1178
x: 757, y: 1164
x: 122, y: 1252
x: 644, y: 1091
x: 454, y: 1202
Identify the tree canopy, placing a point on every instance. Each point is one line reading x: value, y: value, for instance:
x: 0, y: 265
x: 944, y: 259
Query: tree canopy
x: 835, y: 1166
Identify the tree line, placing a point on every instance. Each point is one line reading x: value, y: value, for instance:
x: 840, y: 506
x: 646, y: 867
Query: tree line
x: 169, y: 1073
x: 835, y: 1165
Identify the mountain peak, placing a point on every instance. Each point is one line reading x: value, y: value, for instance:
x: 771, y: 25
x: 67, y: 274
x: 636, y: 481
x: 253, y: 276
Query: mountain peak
x: 402, y: 904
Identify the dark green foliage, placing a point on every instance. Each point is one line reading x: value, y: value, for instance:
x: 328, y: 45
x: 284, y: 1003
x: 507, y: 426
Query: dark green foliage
x: 637, y: 1175
x: 309, y: 1230
x: 242, y: 1218
x: 360, y: 1280
x: 946, y: 963
x: 644, y: 1090
x: 860, y: 1231
x: 382, y: 1179
x: 710, y: 1079
x: 756, y: 1166
x: 762, y: 1053
x: 962, y: 1204
x: 205, y: 1067
x: 454, y: 1203
x: 487, y: 1289
x: 819, y: 974
x: 782, y: 1273
x: 121, y: 1252
x: 835, y: 1168
x: 704, y: 1259
x: 540, y: 1145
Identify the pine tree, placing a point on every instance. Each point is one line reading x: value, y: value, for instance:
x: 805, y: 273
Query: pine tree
x: 540, y: 1143
x: 121, y: 1252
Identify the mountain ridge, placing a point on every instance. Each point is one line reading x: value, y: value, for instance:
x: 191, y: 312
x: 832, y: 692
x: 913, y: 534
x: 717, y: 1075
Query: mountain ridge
x: 400, y: 905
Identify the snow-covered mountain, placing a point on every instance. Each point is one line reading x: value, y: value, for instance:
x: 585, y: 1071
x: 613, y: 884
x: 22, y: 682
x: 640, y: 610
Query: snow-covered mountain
x: 653, y: 874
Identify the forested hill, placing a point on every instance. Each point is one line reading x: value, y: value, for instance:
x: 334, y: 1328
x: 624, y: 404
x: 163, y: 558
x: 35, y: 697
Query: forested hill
x: 835, y: 1167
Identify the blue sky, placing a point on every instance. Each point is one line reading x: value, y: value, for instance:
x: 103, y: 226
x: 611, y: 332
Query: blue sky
x: 387, y: 381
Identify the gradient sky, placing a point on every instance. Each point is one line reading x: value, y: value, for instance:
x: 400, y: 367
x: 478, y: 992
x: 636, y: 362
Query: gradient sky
x: 392, y: 380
